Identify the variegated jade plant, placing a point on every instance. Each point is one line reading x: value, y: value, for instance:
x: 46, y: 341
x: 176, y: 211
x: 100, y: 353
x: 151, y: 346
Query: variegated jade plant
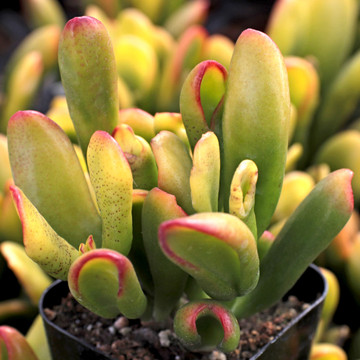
x: 148, y: 227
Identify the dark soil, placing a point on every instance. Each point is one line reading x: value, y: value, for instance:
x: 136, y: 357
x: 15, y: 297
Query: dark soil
x: 124, y: 339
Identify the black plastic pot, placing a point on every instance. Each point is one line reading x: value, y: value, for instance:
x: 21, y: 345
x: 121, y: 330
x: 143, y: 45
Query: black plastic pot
x: 293, y: 342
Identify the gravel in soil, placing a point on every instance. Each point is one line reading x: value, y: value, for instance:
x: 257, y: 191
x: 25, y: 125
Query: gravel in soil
x: 123, y: 339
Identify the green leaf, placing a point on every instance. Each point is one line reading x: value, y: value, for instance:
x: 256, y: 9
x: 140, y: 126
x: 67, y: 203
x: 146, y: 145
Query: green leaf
x: 13, y: 345
x: 201, y: 100
x: 88, y: 74
x: 205, y: 174
x: 256, y: 119
x: 42, y: 244
x: 217, y: 249
x: 205, y: 325
x: 46, y: 168
x: 174, y: 166
x: 242, y: 193
x: 105, y: 282
x: 139, y: 155
x: 111, y: 177
x: 308, y: 231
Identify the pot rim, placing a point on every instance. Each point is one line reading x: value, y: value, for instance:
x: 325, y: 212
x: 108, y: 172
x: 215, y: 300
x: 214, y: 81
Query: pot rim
x: 312, y: 304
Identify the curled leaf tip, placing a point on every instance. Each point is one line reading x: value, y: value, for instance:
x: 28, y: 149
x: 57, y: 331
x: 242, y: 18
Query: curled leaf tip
x: 201, y: 99
x: 105, y: 282
x: 163, y: 229
x: 187, y: 326
x: 243, y: 188
x: 217, y: 249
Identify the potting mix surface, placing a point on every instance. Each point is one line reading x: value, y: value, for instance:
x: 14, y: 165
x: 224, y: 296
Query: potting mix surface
x: 124, y: 339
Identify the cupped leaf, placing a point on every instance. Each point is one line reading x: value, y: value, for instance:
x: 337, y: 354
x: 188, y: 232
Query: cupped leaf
x: 13, y: 345
x: 201, y: 100
x: 256, y: 119
x: 217, y: 249
x: 205, y: 174
x: 111, y: 177
x: 88, y: 74
x: 308, y: 231
x: 174, y: 166
x: 169, y: 280
x: 105, y: 282
x: 42, y: 243
x: 242, y: 193
x: 139, y: 155
x: 205, y: 325
x: 46, y: 168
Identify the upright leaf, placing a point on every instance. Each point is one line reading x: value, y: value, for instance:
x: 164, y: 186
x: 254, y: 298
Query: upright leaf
x: 111, y: 177
x: 256, y: 118
x: 88, y: 74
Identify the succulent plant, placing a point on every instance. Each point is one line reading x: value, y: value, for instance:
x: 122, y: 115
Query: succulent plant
x: 133, y: 249
x: 319, y: 41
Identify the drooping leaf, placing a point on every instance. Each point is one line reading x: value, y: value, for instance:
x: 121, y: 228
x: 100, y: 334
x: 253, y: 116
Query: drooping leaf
x: 42, y: 244
x: 46, y: 168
